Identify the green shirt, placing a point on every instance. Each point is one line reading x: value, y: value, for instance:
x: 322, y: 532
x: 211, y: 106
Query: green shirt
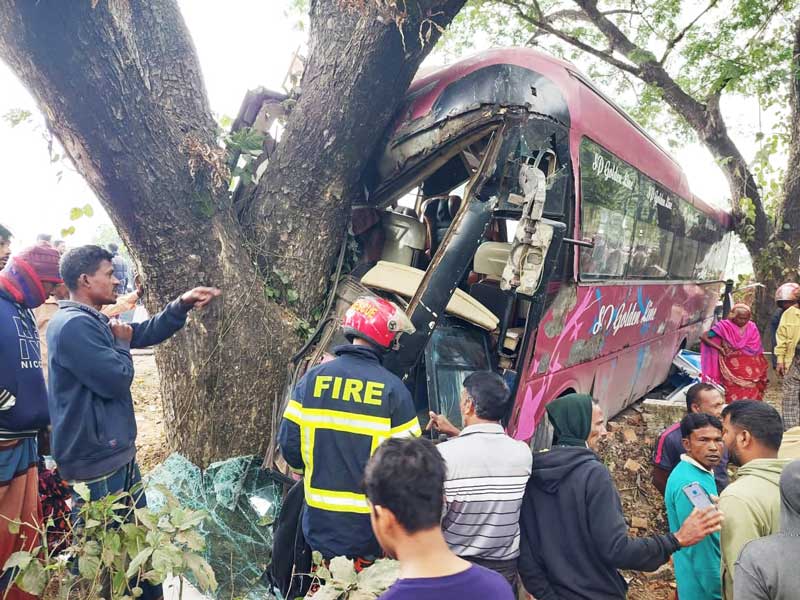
x: 696, y: 567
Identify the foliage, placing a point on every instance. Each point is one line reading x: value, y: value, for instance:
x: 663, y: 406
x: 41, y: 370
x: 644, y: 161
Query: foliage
x: 115, y: 547
x: 75, y: 213
x: 339, y: 580
x: 248, y: 144
x: 278, y: 287
x: 15, y: 116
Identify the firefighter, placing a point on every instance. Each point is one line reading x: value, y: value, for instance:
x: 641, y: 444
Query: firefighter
x: 338, y: 415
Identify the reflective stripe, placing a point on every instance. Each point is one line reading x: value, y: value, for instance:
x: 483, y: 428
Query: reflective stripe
x: 347, y: 422
x: 336, y: 501
x: 294, y: 412
x: 410, y: 429
x: 311, y: 419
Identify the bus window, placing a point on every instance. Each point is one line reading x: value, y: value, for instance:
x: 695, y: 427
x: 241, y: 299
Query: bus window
x: 550, y: 153
x: 609, y: 190
x: 713, y: 253
x: 652, y: 242
x: 685, y: 249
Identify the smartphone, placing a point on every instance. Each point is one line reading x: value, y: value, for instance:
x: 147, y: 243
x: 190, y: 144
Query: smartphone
x: 697, y: 495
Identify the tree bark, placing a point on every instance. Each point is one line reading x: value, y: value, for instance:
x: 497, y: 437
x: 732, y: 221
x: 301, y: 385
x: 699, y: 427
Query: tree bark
x: 121, y: 88
x: 779, y: 259
x: 360, y: 65
x: 120, y: 85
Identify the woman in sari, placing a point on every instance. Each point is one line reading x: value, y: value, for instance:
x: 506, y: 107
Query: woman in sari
x: 732, y: 356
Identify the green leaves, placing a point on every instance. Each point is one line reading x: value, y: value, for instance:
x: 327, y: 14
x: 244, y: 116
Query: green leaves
x: 117, y: 545
x: 33, y: 579
x: 18, y: 560
x: 138, y: 561
x: 202, y: 571
x: 343, y: 570
x: 16, y: 116
x: 340, y: 580
x: 246, y: 140
x: 76, y: 212
x: 89, y: 566
x: 379, y: 576
x: 278, y: 288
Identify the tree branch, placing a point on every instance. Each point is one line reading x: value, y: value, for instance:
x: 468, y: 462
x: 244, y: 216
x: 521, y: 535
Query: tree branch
x: 677, y: 39
x: 543, y: 25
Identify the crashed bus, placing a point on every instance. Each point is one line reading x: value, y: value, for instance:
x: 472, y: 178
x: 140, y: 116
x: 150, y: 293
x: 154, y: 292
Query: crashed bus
x: 529, y: 226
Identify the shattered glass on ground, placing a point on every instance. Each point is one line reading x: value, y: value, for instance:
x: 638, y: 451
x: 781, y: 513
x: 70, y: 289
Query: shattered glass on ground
x: 242, y: 501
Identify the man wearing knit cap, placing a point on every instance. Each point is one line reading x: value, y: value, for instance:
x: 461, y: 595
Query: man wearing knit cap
x: 25, y: 283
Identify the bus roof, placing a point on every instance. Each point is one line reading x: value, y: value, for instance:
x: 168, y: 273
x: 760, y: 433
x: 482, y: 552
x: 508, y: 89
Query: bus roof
x: 590, y: 113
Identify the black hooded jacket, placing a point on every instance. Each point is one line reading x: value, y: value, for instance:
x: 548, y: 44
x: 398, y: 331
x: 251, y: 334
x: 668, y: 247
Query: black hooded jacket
x: 574, y: 535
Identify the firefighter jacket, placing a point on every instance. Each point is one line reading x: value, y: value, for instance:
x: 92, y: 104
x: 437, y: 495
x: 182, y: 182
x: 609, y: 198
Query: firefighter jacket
x: 339, y: 414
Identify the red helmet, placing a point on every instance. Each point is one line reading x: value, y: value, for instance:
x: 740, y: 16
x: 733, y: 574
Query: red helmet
x: 376, y: 320
x: 787, y: 292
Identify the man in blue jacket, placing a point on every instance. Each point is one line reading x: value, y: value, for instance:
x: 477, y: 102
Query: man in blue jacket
x: 90, y: 373
x: 26, y: 281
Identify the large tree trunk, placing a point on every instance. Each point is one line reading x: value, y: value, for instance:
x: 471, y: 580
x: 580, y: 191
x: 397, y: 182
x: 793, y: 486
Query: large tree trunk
x: 120, y: 86
x: 359, y: 67
x: 779, y: 260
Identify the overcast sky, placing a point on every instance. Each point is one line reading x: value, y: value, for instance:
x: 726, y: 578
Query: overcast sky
x: 236, y: 54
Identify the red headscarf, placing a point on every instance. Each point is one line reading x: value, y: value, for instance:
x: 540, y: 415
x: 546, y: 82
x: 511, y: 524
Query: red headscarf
x: 24, y: 273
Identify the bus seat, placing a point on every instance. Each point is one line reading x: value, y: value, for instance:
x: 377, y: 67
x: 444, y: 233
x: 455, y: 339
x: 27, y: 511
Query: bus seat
x: 404, y: 281
x: 489, y: 262
x: 490, y: 259
x: 405, y: 236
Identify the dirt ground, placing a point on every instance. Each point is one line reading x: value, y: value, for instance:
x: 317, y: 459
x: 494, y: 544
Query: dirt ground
x: 151, y: 442
x: 627, y: 454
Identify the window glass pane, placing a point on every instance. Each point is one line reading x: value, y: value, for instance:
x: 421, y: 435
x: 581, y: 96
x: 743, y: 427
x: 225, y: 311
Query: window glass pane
x: 713, y: 256
x: 685, y: 249
x: 652, y: 243
x: 550, y: 152
x: 609, y: 189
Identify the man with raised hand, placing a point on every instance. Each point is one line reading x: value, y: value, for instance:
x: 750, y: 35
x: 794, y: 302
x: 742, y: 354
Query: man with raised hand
x: 486, y: 476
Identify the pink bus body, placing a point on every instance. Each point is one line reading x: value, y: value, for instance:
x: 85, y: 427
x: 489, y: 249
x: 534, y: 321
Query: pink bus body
x: 636, y: 277
x: 614, y: 338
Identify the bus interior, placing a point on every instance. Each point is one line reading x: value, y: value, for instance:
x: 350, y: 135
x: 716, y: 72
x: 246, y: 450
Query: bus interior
x: 486, y: 324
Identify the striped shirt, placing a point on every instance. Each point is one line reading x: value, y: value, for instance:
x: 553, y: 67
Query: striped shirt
x: 486, y: 476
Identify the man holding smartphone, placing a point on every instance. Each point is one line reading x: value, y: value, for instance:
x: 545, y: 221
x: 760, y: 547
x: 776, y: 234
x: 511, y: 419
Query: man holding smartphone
x: 691, y: 485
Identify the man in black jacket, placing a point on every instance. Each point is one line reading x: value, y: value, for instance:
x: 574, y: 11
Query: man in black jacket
x: 574, y: 535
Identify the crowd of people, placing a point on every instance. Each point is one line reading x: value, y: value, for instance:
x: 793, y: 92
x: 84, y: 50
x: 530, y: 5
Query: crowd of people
x: 478, y: 515
x: 475, y: 516
x: 82, y: 414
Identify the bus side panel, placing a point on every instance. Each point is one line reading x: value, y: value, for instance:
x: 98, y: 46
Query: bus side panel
x: 616, y: 341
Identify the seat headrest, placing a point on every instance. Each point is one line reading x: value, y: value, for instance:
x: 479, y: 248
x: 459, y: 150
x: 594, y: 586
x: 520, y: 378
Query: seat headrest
x: 490, y: 258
